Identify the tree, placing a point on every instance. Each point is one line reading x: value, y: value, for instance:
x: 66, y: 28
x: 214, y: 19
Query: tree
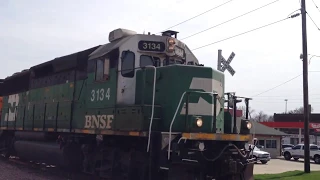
x: 299, y: 110
x: 270, y: 118
x: 243, y: 108
x: 260, y: 117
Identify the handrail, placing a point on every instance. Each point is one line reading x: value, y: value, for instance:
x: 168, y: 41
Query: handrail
x: 153, y: 97
x: 175, y: 114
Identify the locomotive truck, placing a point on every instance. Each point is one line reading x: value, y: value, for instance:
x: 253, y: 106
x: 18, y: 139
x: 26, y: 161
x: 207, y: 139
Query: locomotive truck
x: 139, y: 107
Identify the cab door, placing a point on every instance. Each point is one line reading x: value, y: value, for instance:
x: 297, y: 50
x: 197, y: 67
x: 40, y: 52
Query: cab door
x: 126, y: 78
x: 101, y: 91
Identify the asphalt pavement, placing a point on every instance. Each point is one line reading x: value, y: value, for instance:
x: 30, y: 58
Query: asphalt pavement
x: 275, y: 166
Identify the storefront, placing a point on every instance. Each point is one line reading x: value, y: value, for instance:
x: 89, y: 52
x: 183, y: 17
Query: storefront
x: 296, y: 138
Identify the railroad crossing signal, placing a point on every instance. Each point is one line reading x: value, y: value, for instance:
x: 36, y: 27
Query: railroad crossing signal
x: 224, y: 64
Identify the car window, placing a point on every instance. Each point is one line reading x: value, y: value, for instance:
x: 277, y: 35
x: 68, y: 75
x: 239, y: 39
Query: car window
x: 297, y: 147
x: 314, y: 147
x: 286, y: 145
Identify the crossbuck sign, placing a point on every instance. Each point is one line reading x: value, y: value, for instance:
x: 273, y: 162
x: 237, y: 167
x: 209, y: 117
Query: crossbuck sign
x: 225, y: 64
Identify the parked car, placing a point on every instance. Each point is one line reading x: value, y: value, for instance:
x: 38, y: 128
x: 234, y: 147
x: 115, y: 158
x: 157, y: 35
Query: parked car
x: 285, y: 146
x: 259, y: 146
x: 260, y: 155
x: 297, y: 152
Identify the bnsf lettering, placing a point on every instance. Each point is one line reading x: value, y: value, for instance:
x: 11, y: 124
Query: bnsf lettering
x: 98, y: 121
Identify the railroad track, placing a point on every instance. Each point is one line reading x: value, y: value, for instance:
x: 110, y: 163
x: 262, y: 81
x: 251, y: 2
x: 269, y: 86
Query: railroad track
x: 50, y: 171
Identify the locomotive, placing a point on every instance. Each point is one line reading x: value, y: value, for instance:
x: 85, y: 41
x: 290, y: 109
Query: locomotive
x: 139, y: 107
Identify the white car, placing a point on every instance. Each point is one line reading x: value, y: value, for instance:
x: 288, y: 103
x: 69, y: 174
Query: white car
x: 297, y: 152
x: 260, y: 155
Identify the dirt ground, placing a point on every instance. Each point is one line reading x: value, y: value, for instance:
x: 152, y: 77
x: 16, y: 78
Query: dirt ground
x: 15, y: 170
x: 18, y: 171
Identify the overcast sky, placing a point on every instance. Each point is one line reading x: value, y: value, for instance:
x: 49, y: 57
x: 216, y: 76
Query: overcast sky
x: 35, y: 31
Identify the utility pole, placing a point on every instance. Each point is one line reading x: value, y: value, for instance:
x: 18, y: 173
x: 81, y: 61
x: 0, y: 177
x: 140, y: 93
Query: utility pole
x: 286, y: 100
x: 305, y: 88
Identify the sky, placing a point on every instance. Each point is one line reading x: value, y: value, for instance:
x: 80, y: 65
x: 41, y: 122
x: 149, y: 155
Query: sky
x: 35, y: 31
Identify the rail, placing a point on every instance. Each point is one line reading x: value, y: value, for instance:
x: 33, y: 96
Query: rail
x: 175, y: 114
x: 152, y: 109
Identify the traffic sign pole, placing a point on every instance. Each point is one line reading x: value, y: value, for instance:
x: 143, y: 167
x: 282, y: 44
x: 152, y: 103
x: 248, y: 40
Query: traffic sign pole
x: 219, y: 60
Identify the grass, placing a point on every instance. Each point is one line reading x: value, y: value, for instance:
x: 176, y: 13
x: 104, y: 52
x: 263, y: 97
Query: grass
x: 290, y: 175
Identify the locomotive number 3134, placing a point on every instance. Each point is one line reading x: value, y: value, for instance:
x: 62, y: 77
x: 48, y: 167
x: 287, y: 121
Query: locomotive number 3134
x: 100, y: 94
x: 151, y: 46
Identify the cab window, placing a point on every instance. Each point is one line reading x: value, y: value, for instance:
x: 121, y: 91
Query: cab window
x: 149, y: 61
x: 102, y: 69
x: 127, y: 64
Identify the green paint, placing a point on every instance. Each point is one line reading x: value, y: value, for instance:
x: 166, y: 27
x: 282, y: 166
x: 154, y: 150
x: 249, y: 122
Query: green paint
x: 66, y: 106
x: 172, y: 82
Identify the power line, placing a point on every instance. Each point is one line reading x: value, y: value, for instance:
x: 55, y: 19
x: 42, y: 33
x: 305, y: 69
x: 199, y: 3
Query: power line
x: 292, y: 16
x: 315, y: 5
x: 280, y: 84
x: 200, y: 14
x: 313, y: 21
x: 230, y: 19
x: 291, y: 102
x: 283, y: 96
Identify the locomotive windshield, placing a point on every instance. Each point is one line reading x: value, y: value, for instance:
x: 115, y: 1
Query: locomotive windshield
x: 172, y: 61
x: 146, y: 60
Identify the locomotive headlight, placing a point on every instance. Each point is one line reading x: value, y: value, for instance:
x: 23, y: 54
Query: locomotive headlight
x: 171, y: 48
x: 249, y: 125
x: 199, y: 122
x: 246, y: 126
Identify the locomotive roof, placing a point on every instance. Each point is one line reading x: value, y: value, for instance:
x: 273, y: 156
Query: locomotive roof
x: 68, y: 61
x: 17, y: 74
x: 59, y: 63
x: 106, y: 48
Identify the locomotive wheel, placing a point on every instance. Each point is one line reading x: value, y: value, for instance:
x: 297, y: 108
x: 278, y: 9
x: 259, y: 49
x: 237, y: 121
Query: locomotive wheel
x: 139, y: 166
x: 121, y: 165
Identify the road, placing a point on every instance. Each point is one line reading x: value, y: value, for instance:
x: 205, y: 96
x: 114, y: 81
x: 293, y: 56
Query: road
x: 280, y: 165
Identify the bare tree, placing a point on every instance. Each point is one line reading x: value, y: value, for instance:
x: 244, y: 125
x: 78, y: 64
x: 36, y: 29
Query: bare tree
x: 270, y: 118
x: 260, y: 117
x: 243, y: 108
x: 299, y: 110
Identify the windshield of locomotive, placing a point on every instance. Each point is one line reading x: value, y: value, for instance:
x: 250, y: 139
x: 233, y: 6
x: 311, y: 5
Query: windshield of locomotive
x: 168, y: 62
x: 146, y: 60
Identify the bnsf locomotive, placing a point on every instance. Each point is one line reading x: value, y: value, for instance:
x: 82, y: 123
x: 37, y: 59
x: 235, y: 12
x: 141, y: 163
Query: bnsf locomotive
x: 139, y: 107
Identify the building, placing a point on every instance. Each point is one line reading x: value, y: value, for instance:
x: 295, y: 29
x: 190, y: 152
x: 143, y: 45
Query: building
x: 293, y: 125
x: 268, y: 137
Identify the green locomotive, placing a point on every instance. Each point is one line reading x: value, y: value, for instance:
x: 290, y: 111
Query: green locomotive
x: 138, y: 107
